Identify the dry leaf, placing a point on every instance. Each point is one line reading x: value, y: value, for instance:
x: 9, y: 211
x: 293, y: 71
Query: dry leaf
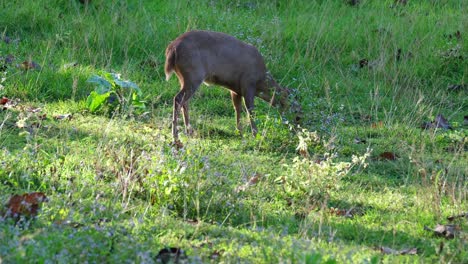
x: 26, y: 205
x: 388, y: 156
x: 29, y: 65
x: 9, y: 103
x: 254, y: 180
x: 447, y: 231
x: 377, y: 125
x: 4, y: 100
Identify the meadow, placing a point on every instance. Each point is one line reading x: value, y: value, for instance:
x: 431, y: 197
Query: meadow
x: 376, y: 171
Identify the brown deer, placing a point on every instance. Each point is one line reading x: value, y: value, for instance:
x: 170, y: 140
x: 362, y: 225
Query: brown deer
x: 218, y: 58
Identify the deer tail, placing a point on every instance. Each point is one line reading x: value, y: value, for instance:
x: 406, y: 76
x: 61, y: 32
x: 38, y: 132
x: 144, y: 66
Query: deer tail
x: 170, y: 61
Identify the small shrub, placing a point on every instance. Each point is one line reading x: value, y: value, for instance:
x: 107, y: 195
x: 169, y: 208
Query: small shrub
x: 114, y: 95
x: 310, y: 181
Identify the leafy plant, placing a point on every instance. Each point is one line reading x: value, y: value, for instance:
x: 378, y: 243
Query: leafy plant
x: 310, y: 181
x: 114, y: 93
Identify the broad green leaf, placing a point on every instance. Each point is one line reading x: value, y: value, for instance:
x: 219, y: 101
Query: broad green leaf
x: 104, y: 85
x: 96, y: 100
x: 137, y: 103
x: 127, y: 84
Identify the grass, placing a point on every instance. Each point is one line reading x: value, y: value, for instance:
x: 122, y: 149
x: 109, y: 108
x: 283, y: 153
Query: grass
x: 119, y: 192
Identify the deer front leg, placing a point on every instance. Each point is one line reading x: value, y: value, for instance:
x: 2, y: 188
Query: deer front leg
x: 237, y: 103
x: 249, y: 103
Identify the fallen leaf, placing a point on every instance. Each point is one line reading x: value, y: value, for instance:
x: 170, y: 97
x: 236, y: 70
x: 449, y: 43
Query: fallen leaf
x: 26, y: 205
x: 171, y: 255
x: 64, y: 117
x: 4, y: 100
x: 388, y: 156
x: 453, y: 217
x: 447, y: 231
x: 390, y: 251
x: 9, y: 103
x: 377, y: 125
x: 29, y: 65
x: 254, y: 180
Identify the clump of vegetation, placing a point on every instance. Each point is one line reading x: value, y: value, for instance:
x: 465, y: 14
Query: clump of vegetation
x: 114, y: 95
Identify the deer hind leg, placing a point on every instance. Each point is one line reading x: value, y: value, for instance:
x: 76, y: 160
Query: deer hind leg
x: 237, y: 103
x: 185, y: 112
x: 181, y: 101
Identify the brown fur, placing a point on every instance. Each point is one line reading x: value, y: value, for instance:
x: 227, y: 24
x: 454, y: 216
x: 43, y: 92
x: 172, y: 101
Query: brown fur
x: 217, y: 58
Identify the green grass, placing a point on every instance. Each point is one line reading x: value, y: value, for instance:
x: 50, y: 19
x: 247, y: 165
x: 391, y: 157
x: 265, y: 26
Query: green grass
x: 119, y: 192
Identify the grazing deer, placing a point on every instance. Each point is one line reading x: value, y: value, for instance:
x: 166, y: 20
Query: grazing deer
x: 217, y: 58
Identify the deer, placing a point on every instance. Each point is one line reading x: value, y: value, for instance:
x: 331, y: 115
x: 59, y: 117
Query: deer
x: 216, y: 58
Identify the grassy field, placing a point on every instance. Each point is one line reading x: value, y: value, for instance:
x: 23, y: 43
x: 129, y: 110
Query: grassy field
x: 357, y: 182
